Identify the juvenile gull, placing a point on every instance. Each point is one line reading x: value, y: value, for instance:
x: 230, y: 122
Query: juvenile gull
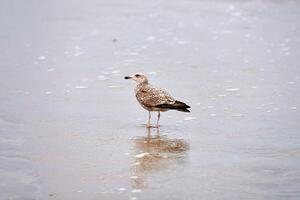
x: 154, y: 99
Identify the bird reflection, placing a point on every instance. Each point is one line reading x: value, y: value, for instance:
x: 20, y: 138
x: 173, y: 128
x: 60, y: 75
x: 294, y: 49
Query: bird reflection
x: 156, y: 152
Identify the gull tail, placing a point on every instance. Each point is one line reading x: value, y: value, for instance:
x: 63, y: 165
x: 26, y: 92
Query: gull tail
x: 178, y: 105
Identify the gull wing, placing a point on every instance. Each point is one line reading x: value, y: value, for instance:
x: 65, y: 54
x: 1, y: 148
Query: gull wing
x: 151, y: 96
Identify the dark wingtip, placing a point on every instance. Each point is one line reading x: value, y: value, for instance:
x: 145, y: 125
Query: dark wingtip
x: 183, y: 110
x: 182, y: 104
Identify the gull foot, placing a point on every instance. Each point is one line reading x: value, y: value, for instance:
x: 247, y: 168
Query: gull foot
x: 151, y: 126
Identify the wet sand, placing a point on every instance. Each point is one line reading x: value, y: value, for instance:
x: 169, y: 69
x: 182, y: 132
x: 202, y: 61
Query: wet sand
x: 70, y: 127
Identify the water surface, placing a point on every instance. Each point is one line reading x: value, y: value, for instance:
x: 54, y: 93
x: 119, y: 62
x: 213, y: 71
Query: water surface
x: 70, y: 127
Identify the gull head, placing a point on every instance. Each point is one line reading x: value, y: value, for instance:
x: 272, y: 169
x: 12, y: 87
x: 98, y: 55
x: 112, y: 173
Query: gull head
x: 138, y: 78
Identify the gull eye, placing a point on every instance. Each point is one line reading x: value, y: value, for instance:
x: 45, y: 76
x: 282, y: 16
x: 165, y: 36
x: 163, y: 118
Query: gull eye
x: 137, y: 75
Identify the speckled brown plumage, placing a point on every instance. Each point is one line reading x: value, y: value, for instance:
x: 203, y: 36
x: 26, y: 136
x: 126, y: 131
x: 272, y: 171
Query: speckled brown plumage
x: 150, y: 97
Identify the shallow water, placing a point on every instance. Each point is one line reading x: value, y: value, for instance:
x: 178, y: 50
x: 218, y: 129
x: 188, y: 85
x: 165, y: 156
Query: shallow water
x: 70, y: 127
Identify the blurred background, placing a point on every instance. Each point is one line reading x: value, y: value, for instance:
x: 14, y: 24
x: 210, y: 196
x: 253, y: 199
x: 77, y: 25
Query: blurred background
x: 70, y: 127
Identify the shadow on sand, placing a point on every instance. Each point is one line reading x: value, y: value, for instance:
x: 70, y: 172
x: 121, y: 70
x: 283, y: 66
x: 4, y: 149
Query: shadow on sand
x: 156, y: 153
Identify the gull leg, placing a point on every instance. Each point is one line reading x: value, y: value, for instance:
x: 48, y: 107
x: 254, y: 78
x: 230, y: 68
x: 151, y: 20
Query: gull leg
x: 149, y: 132
x: 149, y: 118
x: 158, y: 117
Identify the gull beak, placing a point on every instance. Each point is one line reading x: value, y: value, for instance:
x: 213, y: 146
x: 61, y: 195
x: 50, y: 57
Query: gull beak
x: 127, y: 77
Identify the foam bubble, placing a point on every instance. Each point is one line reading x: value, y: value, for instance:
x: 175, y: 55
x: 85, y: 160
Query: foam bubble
x: 237, y: 115
x: 51, y: 70
x: 136, y: 190
x: 80, y: 87
x: 42, y: 57
x: 189, y: 118
x: 78, y: 53
x: 150, y: 38
x: 233, y: 89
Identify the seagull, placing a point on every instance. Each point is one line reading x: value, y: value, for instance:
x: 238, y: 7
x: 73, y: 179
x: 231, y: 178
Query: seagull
x: 154, y: 99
